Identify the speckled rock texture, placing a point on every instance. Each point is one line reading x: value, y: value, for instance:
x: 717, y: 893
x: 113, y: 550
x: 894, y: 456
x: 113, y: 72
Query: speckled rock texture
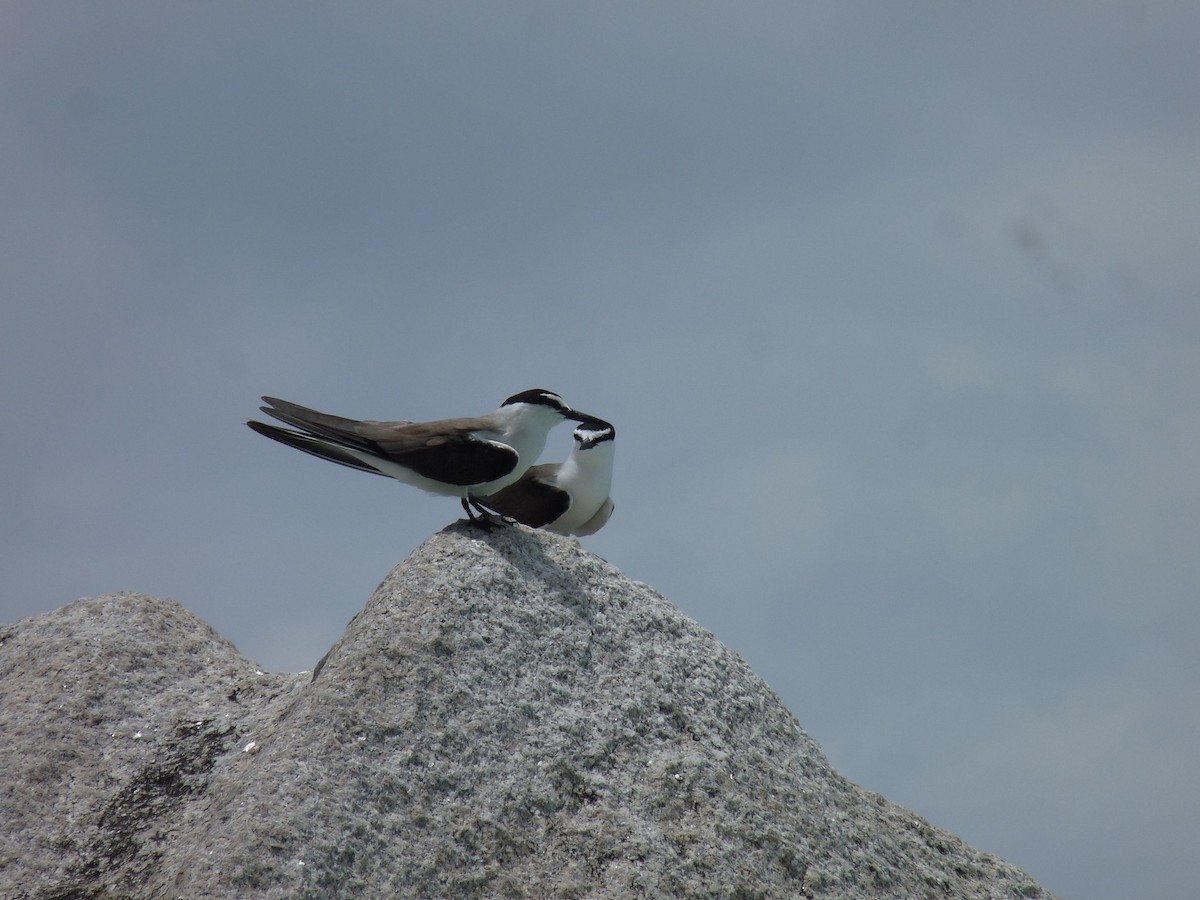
x: 509, y: 716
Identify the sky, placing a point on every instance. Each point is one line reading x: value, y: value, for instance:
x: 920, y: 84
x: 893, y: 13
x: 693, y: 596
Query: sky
x: 895, y: 307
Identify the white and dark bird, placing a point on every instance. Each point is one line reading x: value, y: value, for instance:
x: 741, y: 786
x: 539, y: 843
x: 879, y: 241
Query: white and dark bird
x: 467, y: 458
x: 570, y: 497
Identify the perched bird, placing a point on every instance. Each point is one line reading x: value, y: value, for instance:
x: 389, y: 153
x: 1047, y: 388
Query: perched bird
x: 467, y: 457
x: 570, y: 497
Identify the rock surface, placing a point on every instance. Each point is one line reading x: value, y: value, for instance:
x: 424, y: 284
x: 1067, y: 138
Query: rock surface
x: 509, y: 716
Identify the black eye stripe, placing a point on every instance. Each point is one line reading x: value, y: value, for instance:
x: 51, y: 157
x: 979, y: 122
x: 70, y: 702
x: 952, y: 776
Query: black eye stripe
x: 589, y: 437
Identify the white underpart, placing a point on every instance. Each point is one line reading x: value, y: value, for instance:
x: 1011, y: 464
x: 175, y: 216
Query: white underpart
x: 522, y: 426
x: 598, y: 521
x: 587, y: 478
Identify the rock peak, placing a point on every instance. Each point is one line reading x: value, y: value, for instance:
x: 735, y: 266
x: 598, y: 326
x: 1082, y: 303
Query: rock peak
x: 509, y: 715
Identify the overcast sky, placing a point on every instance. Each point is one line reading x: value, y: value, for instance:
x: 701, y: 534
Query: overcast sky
x: 896, y: 308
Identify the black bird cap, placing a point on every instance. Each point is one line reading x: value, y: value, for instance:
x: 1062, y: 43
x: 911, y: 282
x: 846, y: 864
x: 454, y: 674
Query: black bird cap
x: 543, y: 397
x: 592, y: 431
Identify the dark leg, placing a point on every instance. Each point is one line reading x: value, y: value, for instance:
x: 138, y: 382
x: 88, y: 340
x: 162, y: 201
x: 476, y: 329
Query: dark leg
x: 492, y: 514
x: 487, y: 519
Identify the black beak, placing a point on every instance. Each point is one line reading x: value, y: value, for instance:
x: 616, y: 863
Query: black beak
x: 576, y: 416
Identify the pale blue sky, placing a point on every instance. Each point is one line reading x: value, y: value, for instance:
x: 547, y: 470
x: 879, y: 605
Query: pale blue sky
x: 896, y: 308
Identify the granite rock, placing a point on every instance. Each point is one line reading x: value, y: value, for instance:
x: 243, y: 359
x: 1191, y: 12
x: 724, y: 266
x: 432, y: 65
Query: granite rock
x: 509, y: 716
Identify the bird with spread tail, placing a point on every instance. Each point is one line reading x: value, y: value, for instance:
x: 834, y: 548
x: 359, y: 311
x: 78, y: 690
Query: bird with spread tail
x: 468, y: 458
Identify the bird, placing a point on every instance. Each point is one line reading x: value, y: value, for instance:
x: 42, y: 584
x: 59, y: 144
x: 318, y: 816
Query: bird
x: 571, y: 497
x: 464, y: 457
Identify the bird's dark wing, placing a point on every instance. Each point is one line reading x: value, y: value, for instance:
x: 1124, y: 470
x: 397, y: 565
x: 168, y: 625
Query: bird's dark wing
x: 533, y: 500
x: 445, y: 450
